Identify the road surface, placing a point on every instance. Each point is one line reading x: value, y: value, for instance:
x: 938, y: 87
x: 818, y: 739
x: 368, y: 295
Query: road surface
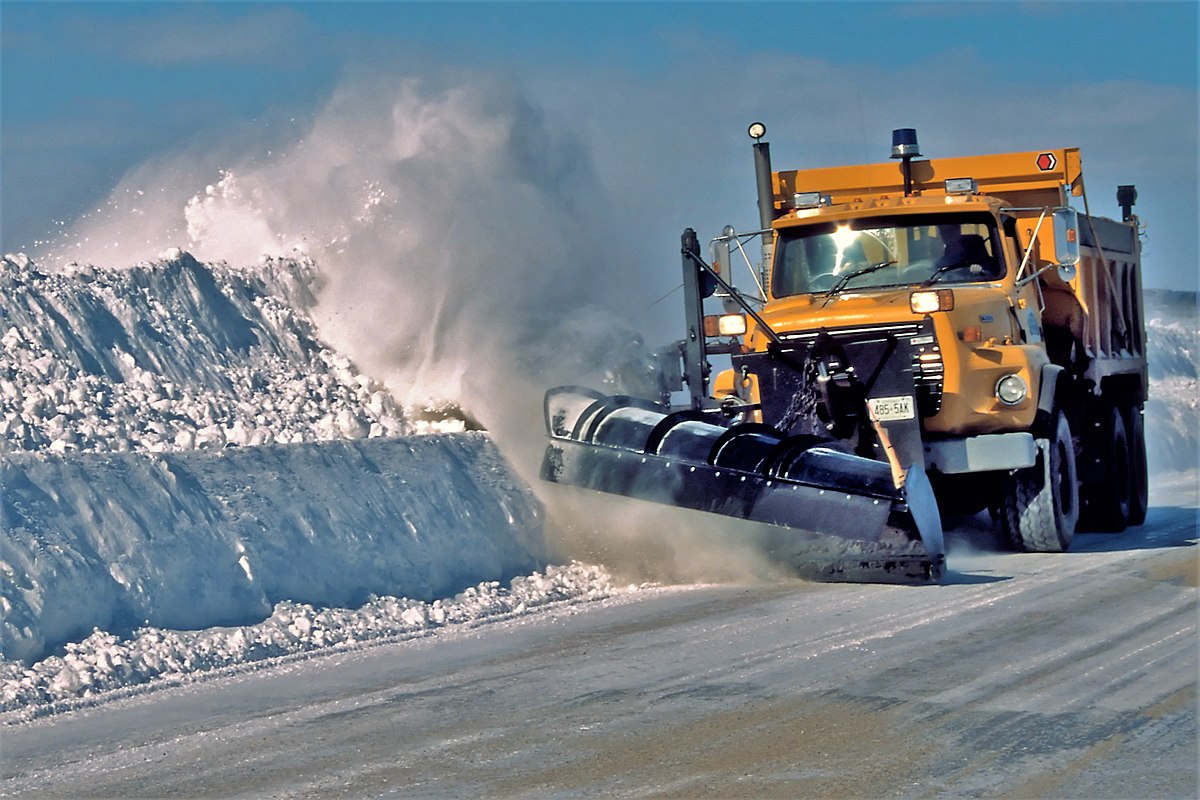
x: 1026, y: 675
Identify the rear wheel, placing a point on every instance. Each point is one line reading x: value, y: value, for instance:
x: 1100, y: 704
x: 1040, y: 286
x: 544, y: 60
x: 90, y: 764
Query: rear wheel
x: 1139, y: 482
x: 1108, y: 504
x: 1039, y: 506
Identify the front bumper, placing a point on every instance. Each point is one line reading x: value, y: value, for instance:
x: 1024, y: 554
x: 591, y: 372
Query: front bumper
x: 985, y: 453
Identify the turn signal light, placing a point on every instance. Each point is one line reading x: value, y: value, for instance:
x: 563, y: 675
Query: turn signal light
x: 931, y: 300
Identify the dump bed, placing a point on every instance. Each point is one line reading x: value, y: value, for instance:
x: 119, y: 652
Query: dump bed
x: 1102, y: 305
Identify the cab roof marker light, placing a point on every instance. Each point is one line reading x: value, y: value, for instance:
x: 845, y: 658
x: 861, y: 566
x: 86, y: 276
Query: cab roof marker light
x: 962, y: 186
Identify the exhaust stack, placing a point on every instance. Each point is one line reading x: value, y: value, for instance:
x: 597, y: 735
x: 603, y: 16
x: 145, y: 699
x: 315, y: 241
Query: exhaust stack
x: 766, y: 192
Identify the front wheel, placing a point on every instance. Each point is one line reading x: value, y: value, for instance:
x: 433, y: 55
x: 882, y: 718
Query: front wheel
x: 1039, y: 505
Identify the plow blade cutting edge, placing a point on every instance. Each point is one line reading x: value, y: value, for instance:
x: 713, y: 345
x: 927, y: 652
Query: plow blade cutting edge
x: 836, y: 516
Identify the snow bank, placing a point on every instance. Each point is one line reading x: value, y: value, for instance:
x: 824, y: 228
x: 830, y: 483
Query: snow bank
x: 174, y: 355
x: 192, y: 540
x: 179, y: 449
x: 1173, y: 410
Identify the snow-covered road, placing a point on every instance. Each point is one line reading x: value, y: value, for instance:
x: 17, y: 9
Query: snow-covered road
x: 1026, y: 675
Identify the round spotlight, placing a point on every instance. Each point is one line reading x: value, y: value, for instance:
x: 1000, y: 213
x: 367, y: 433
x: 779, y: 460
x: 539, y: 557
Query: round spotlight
x: 757, y: 130
x: 1012, y: 390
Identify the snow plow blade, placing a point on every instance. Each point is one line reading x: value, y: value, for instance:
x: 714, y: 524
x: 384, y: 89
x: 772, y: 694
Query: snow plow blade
x: 839, y: 516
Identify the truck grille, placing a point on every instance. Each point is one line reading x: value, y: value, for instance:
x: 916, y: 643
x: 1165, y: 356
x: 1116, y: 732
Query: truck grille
x: 927, y: 367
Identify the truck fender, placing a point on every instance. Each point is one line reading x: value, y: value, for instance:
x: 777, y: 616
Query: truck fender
x: 1048, y: 400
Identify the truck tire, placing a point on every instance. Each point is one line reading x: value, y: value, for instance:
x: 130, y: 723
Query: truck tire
x: 1039, y: 506
x: 1139, y: 482
x: 1107, y: 504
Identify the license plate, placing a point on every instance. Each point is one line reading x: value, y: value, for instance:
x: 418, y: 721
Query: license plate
x: 888, y: 409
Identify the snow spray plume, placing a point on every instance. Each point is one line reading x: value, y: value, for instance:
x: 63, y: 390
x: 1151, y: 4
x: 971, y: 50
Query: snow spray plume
x: 640, y: 541
x: 459, y: 233
x: 468, y: 251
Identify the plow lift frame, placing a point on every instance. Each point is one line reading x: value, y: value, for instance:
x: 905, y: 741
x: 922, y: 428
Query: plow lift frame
x: 696, y: 274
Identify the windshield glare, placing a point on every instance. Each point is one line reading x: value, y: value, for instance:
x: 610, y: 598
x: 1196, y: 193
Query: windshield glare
x: 941, y: 248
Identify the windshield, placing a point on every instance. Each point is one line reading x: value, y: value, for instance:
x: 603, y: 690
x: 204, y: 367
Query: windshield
x: 888, y: 251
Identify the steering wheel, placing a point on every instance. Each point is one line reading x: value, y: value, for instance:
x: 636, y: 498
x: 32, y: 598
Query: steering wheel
x: 822, y: 282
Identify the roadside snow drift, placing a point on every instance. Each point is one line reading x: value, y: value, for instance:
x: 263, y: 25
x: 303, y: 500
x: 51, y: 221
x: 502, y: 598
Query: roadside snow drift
x: 192, y: 540
x: 179, y: 448
x: 1173, y: 410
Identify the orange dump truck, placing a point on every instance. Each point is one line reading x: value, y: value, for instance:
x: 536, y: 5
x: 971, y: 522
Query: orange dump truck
x: 956, y: 321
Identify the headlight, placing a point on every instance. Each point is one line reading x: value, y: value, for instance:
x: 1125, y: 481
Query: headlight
x: 931, y: 300
x: 732, y: 325
x: 1012, y: 390
x: 962, y: 186
x: 724, y: 325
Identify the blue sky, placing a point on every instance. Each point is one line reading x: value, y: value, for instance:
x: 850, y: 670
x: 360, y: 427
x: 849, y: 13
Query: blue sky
x: 91, y: 91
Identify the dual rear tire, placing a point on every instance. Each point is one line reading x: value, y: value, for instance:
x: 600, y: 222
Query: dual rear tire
x: 1139, y: 476
x: 1118, y: 498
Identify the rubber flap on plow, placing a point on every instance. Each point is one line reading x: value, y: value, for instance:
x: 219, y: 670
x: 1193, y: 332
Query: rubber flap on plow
x: 839, y: 516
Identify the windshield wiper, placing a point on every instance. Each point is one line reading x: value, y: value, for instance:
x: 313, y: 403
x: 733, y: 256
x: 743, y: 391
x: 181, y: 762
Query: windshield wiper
x: 849, y: 276
x: 939, y: 272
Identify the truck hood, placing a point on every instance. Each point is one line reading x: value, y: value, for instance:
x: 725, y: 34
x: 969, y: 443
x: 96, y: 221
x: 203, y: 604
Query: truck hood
x: 849, y: 309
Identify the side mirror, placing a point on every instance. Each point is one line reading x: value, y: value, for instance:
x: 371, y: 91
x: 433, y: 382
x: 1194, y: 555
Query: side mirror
x: 1066, y: 237
x: 720, y: 252
x: 1067, y: 272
